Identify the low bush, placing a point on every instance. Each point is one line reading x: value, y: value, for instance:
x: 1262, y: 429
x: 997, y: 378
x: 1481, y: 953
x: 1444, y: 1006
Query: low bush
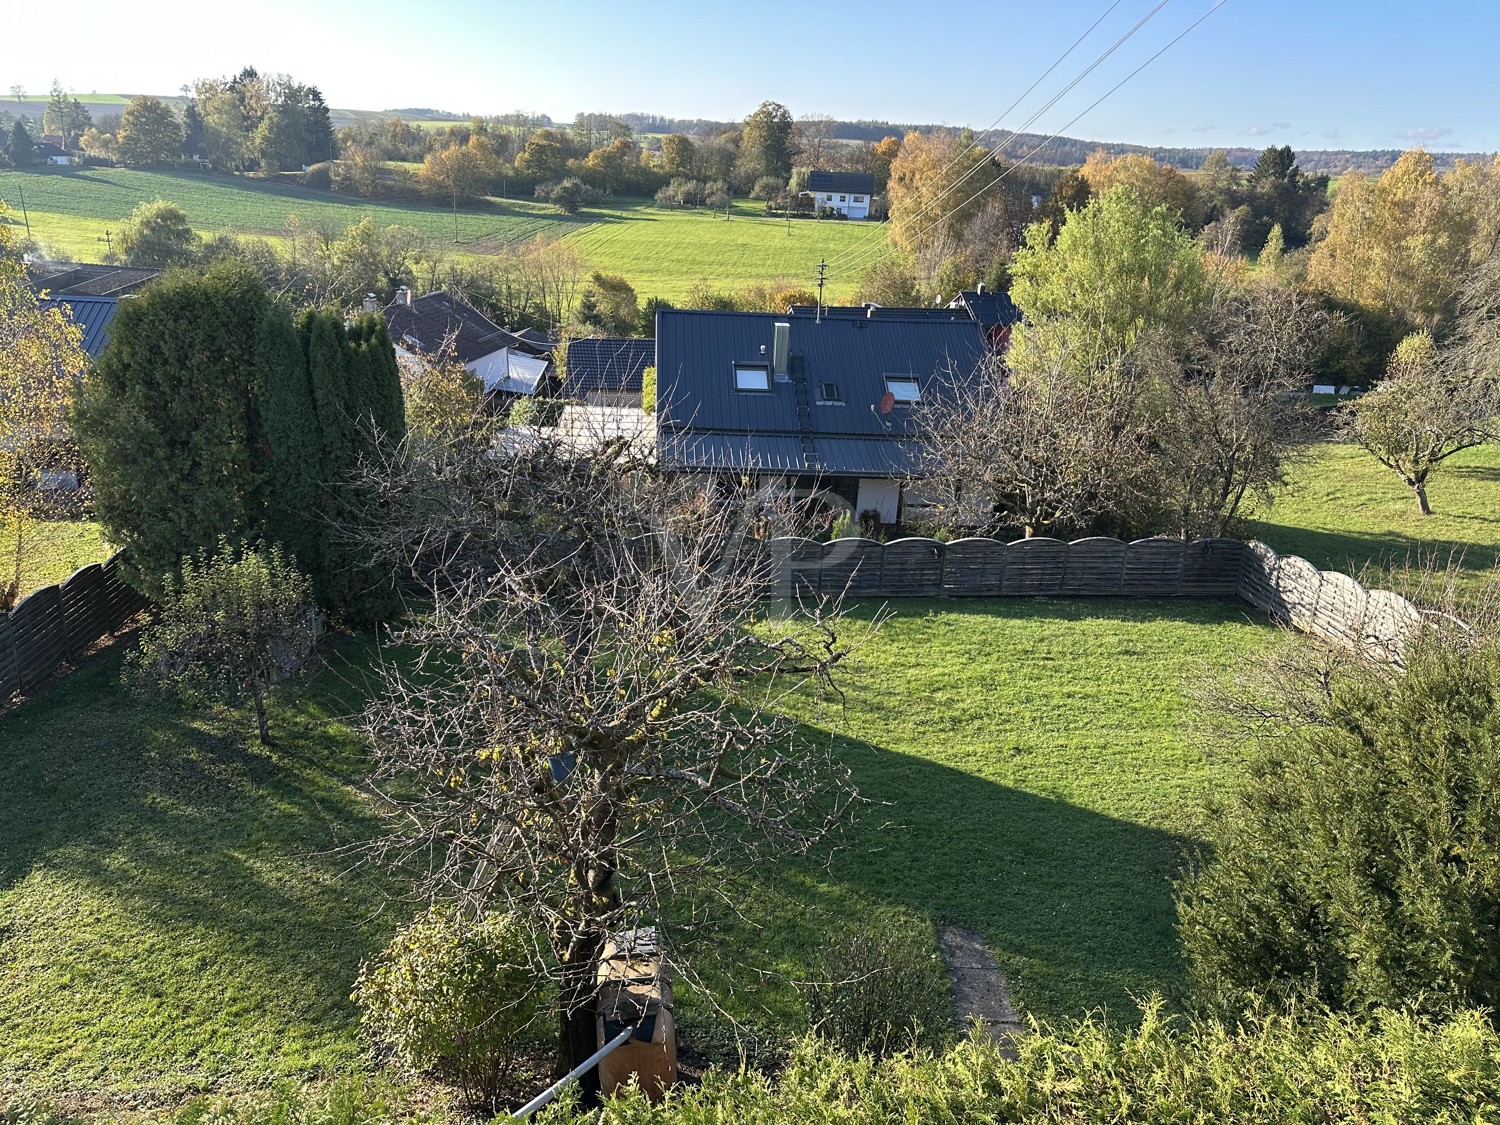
x: 1359, y: 864
x: 1328, y: 1069
x: 456, y: 998
x: 529, y: 410
x: 880, y: 988
x: 319, y: 176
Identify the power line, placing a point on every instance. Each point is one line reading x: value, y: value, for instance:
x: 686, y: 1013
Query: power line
x: 991, y: 153
x: 1037, y: 148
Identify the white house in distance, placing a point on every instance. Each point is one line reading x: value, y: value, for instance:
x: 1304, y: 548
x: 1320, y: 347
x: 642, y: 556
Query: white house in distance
x: 509, y: 364
x: 847, y: 192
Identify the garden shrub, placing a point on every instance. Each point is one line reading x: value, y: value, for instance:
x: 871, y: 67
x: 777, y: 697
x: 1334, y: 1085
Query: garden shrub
x: 319, y: 176
x: 1359, y: 865
x: 457, y: 998
x: 880, y: 988
x: 1329, y: 1069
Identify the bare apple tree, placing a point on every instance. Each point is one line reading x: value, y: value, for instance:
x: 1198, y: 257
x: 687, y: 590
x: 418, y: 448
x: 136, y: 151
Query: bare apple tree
x: 585, y: 716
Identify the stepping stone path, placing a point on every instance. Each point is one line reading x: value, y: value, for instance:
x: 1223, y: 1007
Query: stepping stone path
x: 979, y: 988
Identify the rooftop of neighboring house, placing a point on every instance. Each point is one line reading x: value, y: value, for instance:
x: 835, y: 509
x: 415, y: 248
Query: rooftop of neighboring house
x: 873, y: 311
x: 67, y: 279
x: 440, y: 320
x: 92, y: 314
x: 607, y: 363
x: 988, y: 306
x: 841, y: 406
x: 857, y: 183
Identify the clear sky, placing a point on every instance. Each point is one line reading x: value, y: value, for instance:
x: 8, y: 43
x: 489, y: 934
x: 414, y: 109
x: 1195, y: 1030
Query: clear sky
x: 1310, y: 73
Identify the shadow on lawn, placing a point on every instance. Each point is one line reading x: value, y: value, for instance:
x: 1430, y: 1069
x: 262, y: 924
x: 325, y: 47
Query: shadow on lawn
x: 1348, y: 553
x: 223, y: 849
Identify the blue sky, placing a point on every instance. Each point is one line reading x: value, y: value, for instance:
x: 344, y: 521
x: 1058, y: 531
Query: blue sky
x: 1313, y: 74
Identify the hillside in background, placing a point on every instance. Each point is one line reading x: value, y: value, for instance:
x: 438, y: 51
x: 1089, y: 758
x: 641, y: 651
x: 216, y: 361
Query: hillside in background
x: 1036, y: 148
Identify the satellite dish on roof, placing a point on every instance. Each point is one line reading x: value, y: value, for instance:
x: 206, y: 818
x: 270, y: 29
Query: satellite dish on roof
x: 887, y: 402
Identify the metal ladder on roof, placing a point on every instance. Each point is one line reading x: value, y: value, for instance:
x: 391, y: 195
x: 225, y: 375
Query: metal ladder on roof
x: 802, y: 397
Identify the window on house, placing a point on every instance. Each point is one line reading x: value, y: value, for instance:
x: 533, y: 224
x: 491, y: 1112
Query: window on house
x: 751, y: 378
x: 843, y: 199
x: 859, y: 199
x: 829, y: 392
x: 829, y: 198
x: 905, y: 388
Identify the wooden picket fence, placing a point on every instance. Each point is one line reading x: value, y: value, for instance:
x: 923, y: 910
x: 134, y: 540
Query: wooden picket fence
x: 59, y: 623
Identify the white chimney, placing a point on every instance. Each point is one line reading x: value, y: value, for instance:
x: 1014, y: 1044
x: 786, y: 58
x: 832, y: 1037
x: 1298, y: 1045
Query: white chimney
x: 370, y: 303
x: 781, y: 349
x: 403, y: 296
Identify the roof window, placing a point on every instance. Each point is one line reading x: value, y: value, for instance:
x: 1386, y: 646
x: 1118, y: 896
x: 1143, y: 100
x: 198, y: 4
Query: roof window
x: 748, y: 378
x: 906, y: 389
x: 829, y: 392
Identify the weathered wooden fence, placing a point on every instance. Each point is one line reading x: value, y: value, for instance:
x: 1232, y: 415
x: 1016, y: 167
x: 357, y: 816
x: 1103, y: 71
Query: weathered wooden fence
x: 58, y: 623
x: 990, y: 568
x: 1289, y: 589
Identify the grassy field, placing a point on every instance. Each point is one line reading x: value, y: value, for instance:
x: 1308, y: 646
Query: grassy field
x: 70, y: 209
x: 1346, y: 512
x: 661, y: 253
x: 665, y: 253
x: 52, y: 551
x: 174, y: 914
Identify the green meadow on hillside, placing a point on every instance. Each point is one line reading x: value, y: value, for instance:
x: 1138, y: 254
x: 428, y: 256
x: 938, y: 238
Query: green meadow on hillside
x: 662, y: 253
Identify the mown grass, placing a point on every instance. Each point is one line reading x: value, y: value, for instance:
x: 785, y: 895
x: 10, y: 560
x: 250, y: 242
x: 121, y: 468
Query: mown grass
x: 52, y: 550
x: 173, y: 911
x: 1347, y: 512
x: 174, y: 914
x: 71, y: 208
x: 665, y: 253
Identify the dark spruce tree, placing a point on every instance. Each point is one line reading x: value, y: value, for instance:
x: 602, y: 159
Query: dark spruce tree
x: 168, y: 421
x: 291, y: 443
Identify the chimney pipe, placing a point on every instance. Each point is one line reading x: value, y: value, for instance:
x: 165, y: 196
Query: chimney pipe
x: 403, y: 296
x: 782, y: 349
x: 370, y: 304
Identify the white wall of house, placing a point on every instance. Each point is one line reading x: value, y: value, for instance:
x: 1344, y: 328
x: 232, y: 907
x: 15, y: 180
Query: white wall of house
x: 884, y: 496
x: 59, y: 160
x: 855, y: 206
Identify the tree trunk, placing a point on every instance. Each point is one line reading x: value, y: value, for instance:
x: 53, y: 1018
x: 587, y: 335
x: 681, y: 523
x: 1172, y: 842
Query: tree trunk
x: 258, y: 694
x: 1422, y: 504
x: 577, y: 1036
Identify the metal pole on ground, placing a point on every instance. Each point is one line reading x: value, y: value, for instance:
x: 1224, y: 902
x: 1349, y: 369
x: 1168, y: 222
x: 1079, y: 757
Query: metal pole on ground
x: 551, y: 1092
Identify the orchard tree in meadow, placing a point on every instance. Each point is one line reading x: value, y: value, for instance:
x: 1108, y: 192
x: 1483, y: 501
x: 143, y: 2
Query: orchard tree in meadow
x: 1116, y: 270
x: 157, y: 234
x: 678, y: 155
x: 767, y: 144
x: 1424, y: 411
x: 149, y: 133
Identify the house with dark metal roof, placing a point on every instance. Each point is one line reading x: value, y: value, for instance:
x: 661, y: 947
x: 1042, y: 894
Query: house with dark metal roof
x: 92, y: 314
x: 441, y: 325
x: 607, y: 370
x: 872, y: 311
x: 846, y: 192
x: 822, y: 405
x: 995, y: 312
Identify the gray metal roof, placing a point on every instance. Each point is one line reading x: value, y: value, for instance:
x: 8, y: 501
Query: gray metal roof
x: 792, y: 425
x: 883, y: 312
x: 860, y: 183
x: 614, y: 363
x: 92, y: 314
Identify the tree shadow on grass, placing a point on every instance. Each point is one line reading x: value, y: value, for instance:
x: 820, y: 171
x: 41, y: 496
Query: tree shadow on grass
x: 179, y: 889
x: 1348, y: 553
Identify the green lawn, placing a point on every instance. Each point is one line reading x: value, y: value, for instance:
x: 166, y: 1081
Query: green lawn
x: 665, y: 253
x: 174, y: 914
x: 52, y: 551
x: 71, y: 208
x: 661, y: 253
x: 1346, y: 511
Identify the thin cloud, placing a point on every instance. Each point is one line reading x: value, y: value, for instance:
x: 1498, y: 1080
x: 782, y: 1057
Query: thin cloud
x: 1333, y: 134
x: 1200, y: 128
x: 1424, y: 135
x: 1263, y: 130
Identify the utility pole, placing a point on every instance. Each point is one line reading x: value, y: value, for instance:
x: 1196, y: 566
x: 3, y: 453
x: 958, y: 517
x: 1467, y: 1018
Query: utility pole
x: 24, y: 213
x: 822, y: 277
x: 109, y: 246
x: 455, y: 210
